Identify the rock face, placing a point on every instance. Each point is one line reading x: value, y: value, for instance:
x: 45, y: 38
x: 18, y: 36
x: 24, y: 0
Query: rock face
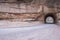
x: 19, y: 11
x: 21, y: 16
x: 19, y: 8
x: 24, y: 11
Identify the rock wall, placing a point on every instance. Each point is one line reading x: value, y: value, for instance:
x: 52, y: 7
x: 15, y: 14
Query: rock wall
x: 21, y: 16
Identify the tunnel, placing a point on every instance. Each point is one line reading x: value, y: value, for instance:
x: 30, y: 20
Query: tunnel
x: 50, y: 18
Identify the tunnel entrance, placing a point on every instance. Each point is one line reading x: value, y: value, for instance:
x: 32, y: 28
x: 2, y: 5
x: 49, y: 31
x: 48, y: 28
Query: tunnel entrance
x: 50, y: 18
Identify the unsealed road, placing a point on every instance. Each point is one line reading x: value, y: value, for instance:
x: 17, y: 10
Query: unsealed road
x: 38, y: 32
